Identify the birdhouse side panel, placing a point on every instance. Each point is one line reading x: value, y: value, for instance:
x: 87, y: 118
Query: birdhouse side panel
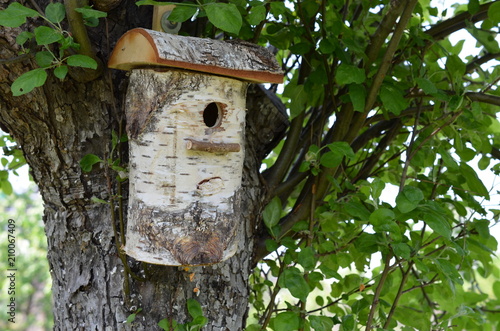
x: 186, y: 163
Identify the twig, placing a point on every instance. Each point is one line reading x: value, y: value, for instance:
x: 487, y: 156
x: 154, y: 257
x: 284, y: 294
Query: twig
x: 376, y: 296
x: 398, y: 295
x: 409, y: 155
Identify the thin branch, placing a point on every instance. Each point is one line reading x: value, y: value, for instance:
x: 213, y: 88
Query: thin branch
x: 79, y: 31
x: 471, y: 66
x: 398, y: 295
x: 445, y: 28
x: 376, y: 296
x: 389, y: 54
x: 379, y: 38
x: 422, y: 285
x: 37, y: 7
x: 16, y: 59
x: 409, y: 153
x: 280, y: 168
x: 482, y: 97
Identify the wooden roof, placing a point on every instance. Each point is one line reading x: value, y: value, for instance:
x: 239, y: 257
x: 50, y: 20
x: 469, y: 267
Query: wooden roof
x: 142, y: 48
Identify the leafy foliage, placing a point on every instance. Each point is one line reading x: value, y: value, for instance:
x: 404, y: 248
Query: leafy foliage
x: 33, y: 297
x: 53, y: 39
x: 195, y: 311
x: 389, y: 122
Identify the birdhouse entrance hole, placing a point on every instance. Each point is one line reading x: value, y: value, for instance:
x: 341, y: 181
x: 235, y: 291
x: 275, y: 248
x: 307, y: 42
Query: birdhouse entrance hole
x: 212, y: 115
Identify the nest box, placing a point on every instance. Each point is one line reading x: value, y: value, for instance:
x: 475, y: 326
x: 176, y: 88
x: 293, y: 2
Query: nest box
x: 185, y: 109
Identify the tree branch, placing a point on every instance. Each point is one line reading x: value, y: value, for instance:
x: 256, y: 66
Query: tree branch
x: 480, y: 60
x: 445, y: 28
x: 79, y: 32
x: 378, y: 39
x: 389, y: 54
x: 376, y: 296
x: 482, y: 97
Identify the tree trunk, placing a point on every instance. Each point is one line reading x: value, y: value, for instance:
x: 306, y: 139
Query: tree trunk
x: 56, y: 126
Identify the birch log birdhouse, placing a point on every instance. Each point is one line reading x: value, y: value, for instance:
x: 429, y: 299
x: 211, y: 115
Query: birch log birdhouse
x: 185, y: 110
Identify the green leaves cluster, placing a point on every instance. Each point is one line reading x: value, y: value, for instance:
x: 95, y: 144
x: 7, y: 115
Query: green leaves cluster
x: 195, y: 311
x: 33, y: 295
x: 55, y: 43
x: 88, y: 162
x: 12, y: 159
x: 224, y: 16
x: 382, y: 217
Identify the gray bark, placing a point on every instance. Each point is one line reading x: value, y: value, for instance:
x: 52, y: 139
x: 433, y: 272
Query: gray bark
x: 56, y: 126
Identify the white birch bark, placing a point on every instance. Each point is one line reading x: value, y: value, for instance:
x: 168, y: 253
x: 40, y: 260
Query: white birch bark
x: 142, y: 47
x: 184, y: 204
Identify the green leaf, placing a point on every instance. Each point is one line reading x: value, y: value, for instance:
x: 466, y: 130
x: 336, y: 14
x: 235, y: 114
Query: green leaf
x: 393, y: 99
x: 23, y: 37
x: 87, y: 12
x: 383, y: 221
x: 165, y: 324
x: 271, y: 245
x: 15, y: 15
x: 408, y: 199
x: 449, y: 270
x: 45, y: 35
x: 473, y: 6
x: 486, y: 39
x: 83, y: 61
x: 494, y: 12
x: 6, y: 187
x: 253, y: 327
x: 272, y: 212
x: 97, y: 200
x: 278, y: 8
x: 257, y: 14
x: 435, y: 218
x: 286, y: 321
x: 194, y: 308
x: 331, y: 159
x: 61, y: 72
x: 475, y: 185
x: 357, y: 209
x: 306, y: 258
x: 326, y: 46
x: 348, y: 323
x: 342, y: 148
x: 482, y: 227
x: 88, y: 161
x: 426, y: 85
x: 402, y: 250
x: 293, y: 280
x: 132, y: 317
x: 321, y: 323
x: 357, y: 94
x: 376, y: 187
x: 182, y: 13
x: 28, y: 81
x: 44, y: 59
x: 484, y: 162
x: 298, y: 100
x: 55, y: 12
x: 300, y: 48
x: 347, y: 74
x: 455, y: 65
x: 224, y: 16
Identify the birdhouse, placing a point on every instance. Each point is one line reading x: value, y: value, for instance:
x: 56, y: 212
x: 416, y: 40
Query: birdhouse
x: 185, y: 110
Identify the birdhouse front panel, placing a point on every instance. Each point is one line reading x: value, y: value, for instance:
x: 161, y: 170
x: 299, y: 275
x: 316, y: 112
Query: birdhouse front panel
x: 186, y: 157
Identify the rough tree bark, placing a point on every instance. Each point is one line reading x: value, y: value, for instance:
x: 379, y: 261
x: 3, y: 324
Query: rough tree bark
x: 56, y: 126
